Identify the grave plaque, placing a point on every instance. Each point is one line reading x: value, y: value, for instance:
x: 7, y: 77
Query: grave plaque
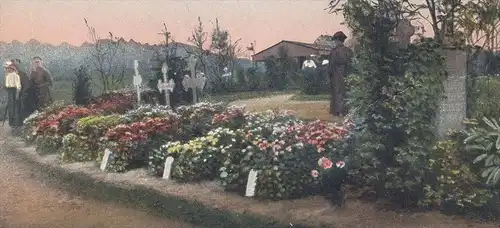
x: 168, y: 168
x: 251, y: 183
x: 168, y: 87
x: 453, y: 108
x: 105, y: 159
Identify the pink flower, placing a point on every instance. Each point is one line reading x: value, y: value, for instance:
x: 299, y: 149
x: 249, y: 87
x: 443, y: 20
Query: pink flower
x: 325, y: 163
x: 314, y: 173
x: 340, y: 164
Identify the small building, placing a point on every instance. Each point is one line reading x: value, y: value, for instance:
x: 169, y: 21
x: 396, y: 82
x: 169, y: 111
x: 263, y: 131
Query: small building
x: 300, y: 51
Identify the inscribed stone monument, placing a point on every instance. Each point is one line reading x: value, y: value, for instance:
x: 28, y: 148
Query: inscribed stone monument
x: 453, y: 108
x: 404, y: 32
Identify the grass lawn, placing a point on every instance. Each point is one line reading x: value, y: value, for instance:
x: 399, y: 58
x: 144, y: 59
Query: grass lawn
x: 230, y: 97
x: 306, y: 97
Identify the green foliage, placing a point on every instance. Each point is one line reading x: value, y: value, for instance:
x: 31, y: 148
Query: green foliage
x: 197, y: 160
x: 76, y: 149
x: 485, y: 144
x: 314, y: 81
x: 452, y: 185
x: 196, y: 120
x: 484, y: 97
x: 279, y: 70
x: 82, y: 92
x: 48, y: 144
x: 396, y: 93
x: 256, y: 79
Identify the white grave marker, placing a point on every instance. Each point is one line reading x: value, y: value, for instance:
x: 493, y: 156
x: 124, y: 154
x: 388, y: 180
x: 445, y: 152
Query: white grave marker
x: 137, y: 81
x: 193, y: 82
x: 168, y: 168
x: 168, y: 87
x: 251, y: 183
x: 226, y: 74
x: 105, y: 159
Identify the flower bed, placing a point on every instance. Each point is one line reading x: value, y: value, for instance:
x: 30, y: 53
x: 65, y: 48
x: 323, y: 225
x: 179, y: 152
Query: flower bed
x: 131, y: 143
x: 207, y: 142
x: 84, y: 143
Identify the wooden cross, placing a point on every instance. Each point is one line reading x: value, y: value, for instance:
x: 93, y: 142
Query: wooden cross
x: 168, y: 87
x: 137, y: 81
x: 193, y: 82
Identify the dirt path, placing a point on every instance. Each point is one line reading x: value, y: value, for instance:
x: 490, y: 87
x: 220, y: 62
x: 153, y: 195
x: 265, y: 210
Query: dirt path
x: 26, y: 202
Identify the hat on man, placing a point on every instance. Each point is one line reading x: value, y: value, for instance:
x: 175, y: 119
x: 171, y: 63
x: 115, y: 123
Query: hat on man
x: 37, y: 58
x: 8, y: 64
x: 340, y: 36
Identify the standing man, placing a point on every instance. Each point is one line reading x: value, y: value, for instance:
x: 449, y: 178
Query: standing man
x: 26, y: 97
x: 339, y: 62
x: 13, y: 87
x: 41, y: 82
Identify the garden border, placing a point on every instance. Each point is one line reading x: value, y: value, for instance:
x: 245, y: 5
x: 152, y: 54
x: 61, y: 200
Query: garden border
x: 138, y: 196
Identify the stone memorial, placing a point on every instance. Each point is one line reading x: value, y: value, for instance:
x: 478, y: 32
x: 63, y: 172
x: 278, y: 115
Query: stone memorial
x: 404, y: 31
x: 193, y: 82
x: 168, y: 168
x: 453, y: 108
x: 137, y: 81
x: 251, y: 183
x: 166, y: 86
x: 105, y: 159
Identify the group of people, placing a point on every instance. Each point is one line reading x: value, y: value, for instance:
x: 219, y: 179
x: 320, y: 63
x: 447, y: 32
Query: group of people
x: 26, y: 93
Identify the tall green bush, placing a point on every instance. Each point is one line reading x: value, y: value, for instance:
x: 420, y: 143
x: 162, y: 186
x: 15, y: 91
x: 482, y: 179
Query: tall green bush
x: 484, y: 97
x: 314, y: 81
x: 82, y: 90
x: 396, y: 94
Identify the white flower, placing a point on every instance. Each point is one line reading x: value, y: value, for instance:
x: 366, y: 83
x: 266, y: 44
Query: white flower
x: 223, y: 174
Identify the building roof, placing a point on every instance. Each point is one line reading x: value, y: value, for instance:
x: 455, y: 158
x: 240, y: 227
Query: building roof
x: 321, y: 44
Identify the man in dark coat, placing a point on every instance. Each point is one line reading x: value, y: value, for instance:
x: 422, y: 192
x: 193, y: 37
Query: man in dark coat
x: 41, y: 81
x: 26, y: 98
x: 339, y: 62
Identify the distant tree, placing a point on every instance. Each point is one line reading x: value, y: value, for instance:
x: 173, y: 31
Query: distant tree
x: 82, y: 91
x: 480, y: 21
x: 168, y: 52
x: 105, y: 60
x: 225, y: 53
x: 198, y: 39
x: 280, y: 69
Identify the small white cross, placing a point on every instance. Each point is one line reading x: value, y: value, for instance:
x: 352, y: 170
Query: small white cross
x: 193, y: 82
x: 168, y: 87
x: 226, y: 74
x: 137, y: 81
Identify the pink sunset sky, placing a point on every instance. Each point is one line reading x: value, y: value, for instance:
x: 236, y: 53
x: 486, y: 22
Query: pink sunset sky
x: 265, y: 21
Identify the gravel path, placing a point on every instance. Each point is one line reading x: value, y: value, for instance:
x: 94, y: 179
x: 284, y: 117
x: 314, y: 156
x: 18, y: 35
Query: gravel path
x: 27, y: 201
